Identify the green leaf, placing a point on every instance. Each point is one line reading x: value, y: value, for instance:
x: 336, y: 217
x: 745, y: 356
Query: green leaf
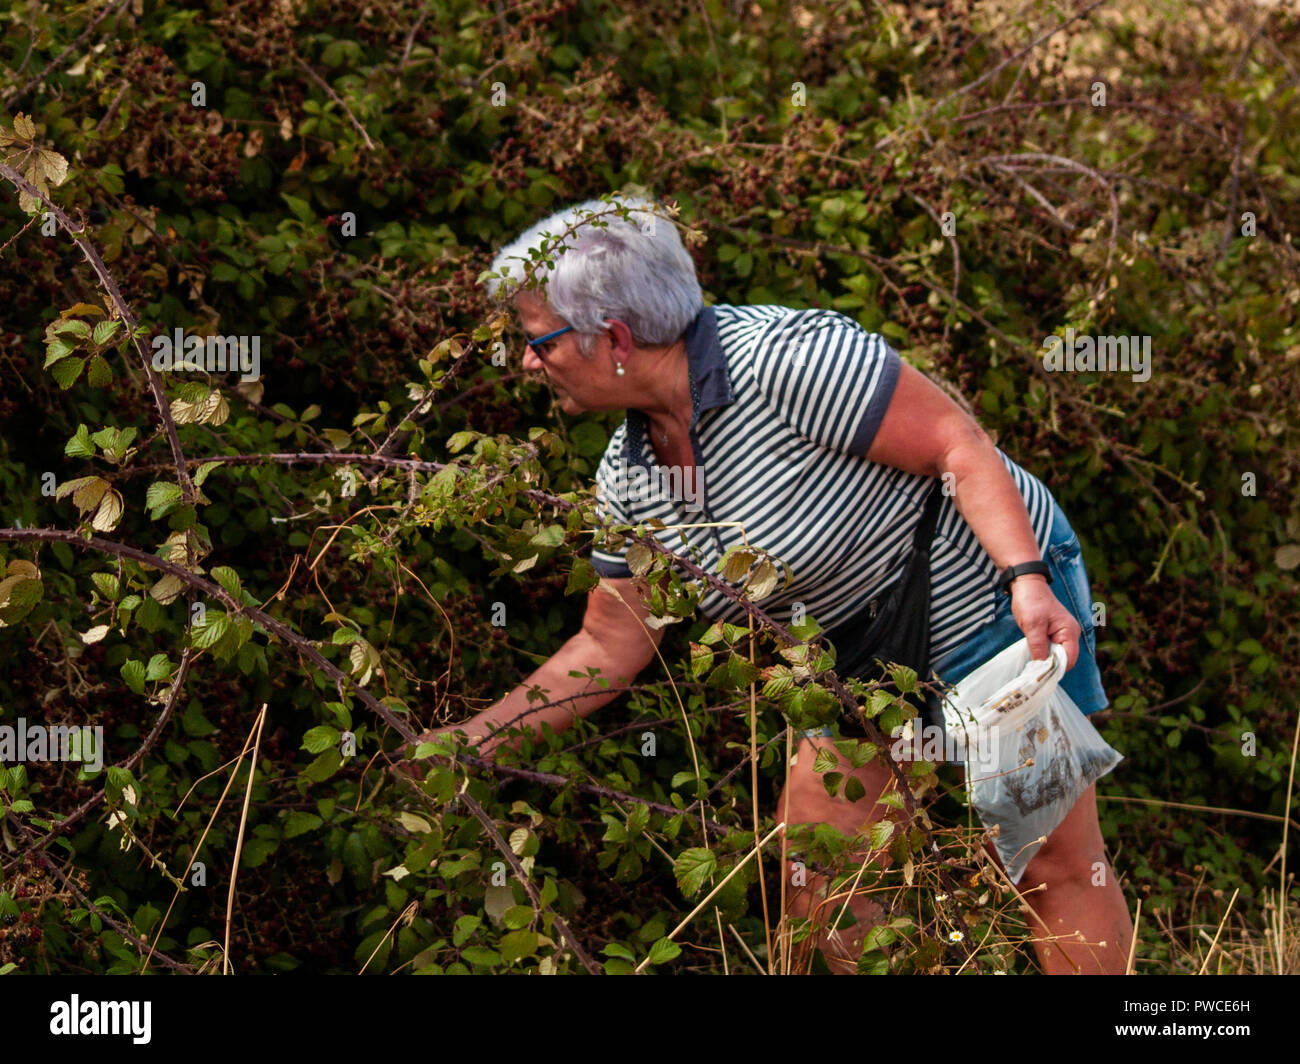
x: 465, y: 927
x: 256, y: 851
x: 825, y: 761
x: 324, y: 766
x: 228, y: 579
x: 106, y: 584
x: 57, y: 349
x: 583, y: 577
x: 80, y: 446
x: 320, y: 738
x: 741, y: 672
x: 588, y: 439
x: 104, y: 332
x: 133, y: 673
x: 193, y: 720
x: 693, y: 868
x: 702, y: 661
x: 299, y: 823
x: 203, y: 471
x: 550, y: 536
x: 214, y: 626
x: 880, y: 833
x: 712, y: 635
x: 66, y: 372
x: 161, y: 497
x: 481, y: 955
x: 159, y: 667
x: 74, y: 327
x: 516, y: 945
x: 99, y: 373
x: 300, y: 207
x: 664, y: 950
x: 517, y: 916
x: 904, y: 678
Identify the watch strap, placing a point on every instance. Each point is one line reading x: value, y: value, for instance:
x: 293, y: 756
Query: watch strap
x: 1023, y: 569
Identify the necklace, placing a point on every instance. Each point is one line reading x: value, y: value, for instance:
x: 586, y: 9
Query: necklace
x: 672, y: 409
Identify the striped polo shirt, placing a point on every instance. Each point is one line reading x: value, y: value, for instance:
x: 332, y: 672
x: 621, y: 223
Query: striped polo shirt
x: 785, y: 405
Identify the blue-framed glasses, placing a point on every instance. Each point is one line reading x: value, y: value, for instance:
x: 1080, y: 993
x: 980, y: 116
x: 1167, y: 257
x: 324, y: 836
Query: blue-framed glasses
x: 537, y: 344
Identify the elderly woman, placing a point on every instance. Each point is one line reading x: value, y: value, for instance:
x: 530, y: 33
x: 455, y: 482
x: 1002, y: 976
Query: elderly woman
x: 820, y: 441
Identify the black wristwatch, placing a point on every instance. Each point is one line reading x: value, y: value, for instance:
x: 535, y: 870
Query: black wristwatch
x: 1024, y: 569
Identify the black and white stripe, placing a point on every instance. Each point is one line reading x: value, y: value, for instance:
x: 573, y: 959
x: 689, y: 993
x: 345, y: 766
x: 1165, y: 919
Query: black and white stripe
x: 786, y: 404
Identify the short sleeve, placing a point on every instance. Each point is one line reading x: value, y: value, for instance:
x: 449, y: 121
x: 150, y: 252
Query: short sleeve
x: 611, y: 504
x: 828, y: 378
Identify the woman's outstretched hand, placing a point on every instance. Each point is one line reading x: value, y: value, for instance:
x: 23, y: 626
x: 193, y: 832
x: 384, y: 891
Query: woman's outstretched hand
x: 460, y: 733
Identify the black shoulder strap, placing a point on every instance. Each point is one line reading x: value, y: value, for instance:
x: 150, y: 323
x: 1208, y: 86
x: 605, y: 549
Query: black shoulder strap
x: 929, y: 519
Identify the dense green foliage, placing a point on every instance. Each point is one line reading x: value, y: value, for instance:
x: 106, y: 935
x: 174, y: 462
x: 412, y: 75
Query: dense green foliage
x: 814, y: 151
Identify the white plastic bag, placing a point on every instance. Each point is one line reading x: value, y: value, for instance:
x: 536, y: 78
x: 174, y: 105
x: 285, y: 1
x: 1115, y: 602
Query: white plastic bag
x: 1028, y: 749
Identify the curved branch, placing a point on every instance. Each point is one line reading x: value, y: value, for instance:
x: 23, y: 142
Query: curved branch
x: 110, y: 288
x: 276, y: 628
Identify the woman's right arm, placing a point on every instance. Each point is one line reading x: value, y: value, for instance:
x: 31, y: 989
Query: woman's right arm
x: 613, y: 639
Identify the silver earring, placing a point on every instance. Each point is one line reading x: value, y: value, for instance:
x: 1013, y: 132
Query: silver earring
x: 620, y: 371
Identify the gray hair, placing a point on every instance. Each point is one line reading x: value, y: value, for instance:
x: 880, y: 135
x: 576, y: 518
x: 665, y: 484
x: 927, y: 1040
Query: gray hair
x: 628, y: 264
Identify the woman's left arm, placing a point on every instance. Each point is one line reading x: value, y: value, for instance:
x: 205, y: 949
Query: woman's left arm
x: 925, y: 432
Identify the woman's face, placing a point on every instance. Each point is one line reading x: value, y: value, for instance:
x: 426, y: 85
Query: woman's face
x: 579, y: 383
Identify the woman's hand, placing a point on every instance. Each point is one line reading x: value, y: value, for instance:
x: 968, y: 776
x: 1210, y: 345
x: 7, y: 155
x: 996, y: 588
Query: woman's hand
x: 1043, y: 619
x: 458, y: 731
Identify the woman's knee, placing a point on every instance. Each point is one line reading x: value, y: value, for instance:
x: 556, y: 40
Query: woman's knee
x: 1074, y: 853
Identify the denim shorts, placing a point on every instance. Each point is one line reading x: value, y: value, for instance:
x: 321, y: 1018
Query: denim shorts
x: 1070, y: 585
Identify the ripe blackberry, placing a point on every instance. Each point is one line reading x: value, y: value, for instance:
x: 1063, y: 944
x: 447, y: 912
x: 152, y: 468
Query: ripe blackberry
x: 10, y: 919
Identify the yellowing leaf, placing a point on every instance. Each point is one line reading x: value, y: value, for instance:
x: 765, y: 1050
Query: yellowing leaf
x: 22, y: 567
x: 413, y: 823
x: 89, y: 495
x: 212, y: 411
x: 184, y: 413
x: 763, y: 581
x: 218, y: 410
x: 53, y: 165
x: 167, y: 589
x: 1287, y: 556
x: 80, y: 310
x: 496, y: 900
x: 94, y: 635
x: 639, y: 558
x: 24, y: 127
x: 29, y: 204
x: 109, y: 512
x: 737, y: 565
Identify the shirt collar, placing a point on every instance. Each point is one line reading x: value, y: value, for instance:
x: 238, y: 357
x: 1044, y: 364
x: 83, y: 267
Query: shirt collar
x: 706, y: 365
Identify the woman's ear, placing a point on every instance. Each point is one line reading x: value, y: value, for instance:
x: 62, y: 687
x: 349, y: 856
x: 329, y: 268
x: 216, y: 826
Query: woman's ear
x: 620, y: 336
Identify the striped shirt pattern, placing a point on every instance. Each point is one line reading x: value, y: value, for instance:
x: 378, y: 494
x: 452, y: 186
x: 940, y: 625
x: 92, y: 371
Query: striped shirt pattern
x: 785, y: 405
